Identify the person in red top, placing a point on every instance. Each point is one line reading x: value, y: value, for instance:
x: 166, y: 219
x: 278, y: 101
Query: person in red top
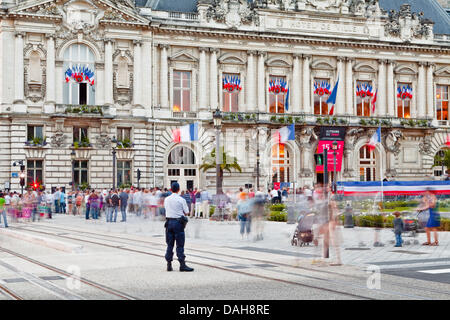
x: 251, y: 194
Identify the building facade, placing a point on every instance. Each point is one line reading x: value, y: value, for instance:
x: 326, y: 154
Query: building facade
x: 78, y: 75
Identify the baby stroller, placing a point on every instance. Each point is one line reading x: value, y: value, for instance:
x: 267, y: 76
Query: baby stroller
x: 303, y: 234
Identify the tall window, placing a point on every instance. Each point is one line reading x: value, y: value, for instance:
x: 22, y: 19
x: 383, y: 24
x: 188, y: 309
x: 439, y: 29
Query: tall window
x: 181, y: 91
x: 404, y: 97
x: 367, y: 164
x: 277, y: 97
x: 123, y: 172
x: 80, y: 171
x: 322, y: 91
x: 231, y: 88
x: 181, y: 155
x: 280, y: 163
x: 364, y: 95
x: 79, y: 90
x: 35, y: 132
x: 123, y: 134
x: 34, y: 171
x: 442, y: 102
x: 80, y: 134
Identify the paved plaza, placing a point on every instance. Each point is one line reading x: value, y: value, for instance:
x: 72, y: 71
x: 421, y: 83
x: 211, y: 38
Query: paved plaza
x: 126, y: 261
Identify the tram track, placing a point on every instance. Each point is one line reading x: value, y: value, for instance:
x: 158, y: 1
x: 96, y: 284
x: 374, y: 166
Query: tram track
x: 90, y: 283
x: 278, y: 264
x: 332, y: 282
x: 9, y: 293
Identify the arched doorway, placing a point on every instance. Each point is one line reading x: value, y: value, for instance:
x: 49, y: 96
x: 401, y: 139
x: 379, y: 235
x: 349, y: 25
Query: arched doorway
x: 281, y: 164
x: 367, y: 164
x: 182, y: 168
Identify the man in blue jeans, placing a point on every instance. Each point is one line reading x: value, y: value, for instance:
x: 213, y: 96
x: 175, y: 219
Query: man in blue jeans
x: 56, y: 199
x: 115, y: 203
x: 123, y: 204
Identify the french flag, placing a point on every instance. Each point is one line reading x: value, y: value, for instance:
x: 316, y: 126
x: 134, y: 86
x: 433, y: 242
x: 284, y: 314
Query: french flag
x: 285, y: 134
x: 332, y: 98
x: 186, y: 133
x: 375, y: 139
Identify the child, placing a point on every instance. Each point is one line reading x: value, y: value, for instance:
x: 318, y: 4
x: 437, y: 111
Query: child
x: 399, y: 226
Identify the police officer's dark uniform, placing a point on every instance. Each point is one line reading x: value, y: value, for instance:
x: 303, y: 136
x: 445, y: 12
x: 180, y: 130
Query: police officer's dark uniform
x: 176, y: 208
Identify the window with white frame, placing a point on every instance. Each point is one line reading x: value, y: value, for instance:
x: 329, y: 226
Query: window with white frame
x: 321, y: 93
x: 35, y: 132
x: 80, y: 172
x: 231, y: 88
x: 79, y: 70
x: 367, y: 164
x: 35, y: 171
x: 181, y: 91
x: 404, y: 100
x: 442, y: 102
x: 123, y: 173
x: 281, y: 163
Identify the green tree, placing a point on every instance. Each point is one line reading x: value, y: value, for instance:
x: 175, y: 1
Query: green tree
x: 446, y: 159
x: 228, y: 163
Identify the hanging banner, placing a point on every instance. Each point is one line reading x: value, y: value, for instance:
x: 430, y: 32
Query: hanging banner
x: 326, y: 138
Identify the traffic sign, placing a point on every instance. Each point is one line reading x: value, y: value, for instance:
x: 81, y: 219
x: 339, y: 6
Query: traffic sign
x: 14, y: 174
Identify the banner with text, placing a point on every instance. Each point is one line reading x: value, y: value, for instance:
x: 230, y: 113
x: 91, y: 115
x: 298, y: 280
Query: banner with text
x: 326, y: 138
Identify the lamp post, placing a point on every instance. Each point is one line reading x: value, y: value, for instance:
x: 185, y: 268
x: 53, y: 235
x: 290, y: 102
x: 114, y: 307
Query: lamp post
x: 114, y: 140
x: 217, y: 116
x: 72, y: 157
x: 257, y: 153
x: 334, y: 147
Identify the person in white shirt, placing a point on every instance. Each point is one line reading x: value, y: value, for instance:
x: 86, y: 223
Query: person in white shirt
x: 137, y: 200
x: 56, y: 199
x: 176, y: 211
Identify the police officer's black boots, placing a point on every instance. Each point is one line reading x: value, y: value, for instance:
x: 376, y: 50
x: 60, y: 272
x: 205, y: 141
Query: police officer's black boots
x: 184, y: 267
x: 169, y: 266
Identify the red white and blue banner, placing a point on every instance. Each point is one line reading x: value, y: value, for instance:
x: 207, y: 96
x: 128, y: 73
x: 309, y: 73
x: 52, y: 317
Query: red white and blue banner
x: 364, y: 90
x: 404, y: 92
x: 278, y: 86
x: 322, y: 88
x: 231, y: 83
x: 393, y: 188
x: 79, y: 74
x: 332, y: 98
x: 186, y: 133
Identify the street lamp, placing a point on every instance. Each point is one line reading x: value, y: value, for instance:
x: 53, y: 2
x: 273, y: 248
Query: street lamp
x: 114, y: 140
x: 217, y: 117
x: 72, y: 157
x: 334, y: 147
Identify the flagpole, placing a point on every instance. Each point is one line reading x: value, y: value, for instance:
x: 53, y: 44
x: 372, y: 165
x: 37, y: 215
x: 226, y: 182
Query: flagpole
x: 381, y: 176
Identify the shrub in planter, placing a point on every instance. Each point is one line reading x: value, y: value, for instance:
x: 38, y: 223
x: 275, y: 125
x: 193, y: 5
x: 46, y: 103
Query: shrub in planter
x: 280, y: 216
x: 277, y: 207
x: 362, y: 122
x: 211, y: 210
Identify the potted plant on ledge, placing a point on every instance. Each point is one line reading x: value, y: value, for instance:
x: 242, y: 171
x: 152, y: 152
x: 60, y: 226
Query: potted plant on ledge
x: 37, y: 142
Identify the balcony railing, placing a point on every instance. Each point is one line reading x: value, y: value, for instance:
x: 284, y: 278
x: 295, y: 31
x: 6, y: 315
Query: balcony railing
x: 184, y: 114
x: 83, y: 110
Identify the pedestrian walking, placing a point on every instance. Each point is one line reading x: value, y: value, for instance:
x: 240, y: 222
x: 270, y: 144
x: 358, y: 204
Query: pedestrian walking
x: 115, y: 201
x: 434, y: 221
x: 62, y: 201
x: 244, y: 208
x: 123, y: 204
x: 3, y: 209
x: 205, y: 198
x: 56, y: 199
x: 176, y: 220
x: 48, y: 203
x: 399, y: 226
x: 94, y: 204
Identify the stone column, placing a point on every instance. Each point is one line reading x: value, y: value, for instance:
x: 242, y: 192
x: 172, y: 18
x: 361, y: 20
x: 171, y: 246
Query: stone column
x: 390, y: 91
x: 163, y: 78
x: 50, y: 69
x: 214, y: 81
x: 261, y: 83
x: 108, y: 76
x: 250, y: 81
x: 349, y: 92
x: 340, y: 99
x: 202, y: 81
x: 430, y: 91
x: 137, y: 75
x: 307, y: 84
x: 147, y: 56
x: 60, y: 82
x: 19, y: 71
x: 421, y: 92
x: 381, y: 106
x: 295, y: 87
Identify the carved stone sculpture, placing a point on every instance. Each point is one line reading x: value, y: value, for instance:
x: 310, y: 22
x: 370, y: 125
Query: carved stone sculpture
x: 426, y: 147
x: 392, y: 141
x: 233, y: 13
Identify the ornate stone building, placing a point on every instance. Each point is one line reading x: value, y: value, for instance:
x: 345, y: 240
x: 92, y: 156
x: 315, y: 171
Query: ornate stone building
x: 75, y: 74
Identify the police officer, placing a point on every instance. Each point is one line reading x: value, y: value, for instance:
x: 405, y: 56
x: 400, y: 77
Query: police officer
x: 176, y: 209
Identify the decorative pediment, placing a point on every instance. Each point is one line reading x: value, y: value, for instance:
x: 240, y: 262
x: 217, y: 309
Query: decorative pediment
x: 278, y: 62
x: 82, y: 14
x: 443, y: 72
x: 404, y: 69
x: 322, y: 64
x: 183, y: 56
x: 229, y: 58
x: 233, y: 13
x: 364, y: 67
